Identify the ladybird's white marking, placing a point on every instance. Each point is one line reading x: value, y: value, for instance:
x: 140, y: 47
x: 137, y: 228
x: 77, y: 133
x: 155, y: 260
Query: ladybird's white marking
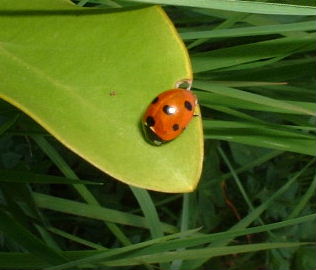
x: 157, y: 142
x: 171, y: 110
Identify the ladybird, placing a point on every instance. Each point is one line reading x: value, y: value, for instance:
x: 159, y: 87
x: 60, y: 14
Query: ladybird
x: 168, y: 115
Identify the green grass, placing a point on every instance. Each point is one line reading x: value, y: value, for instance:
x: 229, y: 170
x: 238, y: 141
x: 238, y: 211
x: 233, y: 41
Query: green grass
x: 254, y: 75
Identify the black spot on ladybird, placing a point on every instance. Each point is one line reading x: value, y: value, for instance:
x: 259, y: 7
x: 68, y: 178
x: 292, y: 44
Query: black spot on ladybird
x: 155, y: 100
x: 150, y: 121
x: 188, y: 105
x: 169, y: 109
x: 175, y: 127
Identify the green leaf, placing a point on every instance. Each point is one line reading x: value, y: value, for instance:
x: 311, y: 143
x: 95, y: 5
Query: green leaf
x: 87, y: 75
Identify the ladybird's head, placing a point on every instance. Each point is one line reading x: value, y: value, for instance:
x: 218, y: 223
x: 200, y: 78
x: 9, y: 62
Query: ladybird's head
x: 151, y: 136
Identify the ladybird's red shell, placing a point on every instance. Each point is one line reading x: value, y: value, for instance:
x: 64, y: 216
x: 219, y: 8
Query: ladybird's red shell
x: 169, y: 114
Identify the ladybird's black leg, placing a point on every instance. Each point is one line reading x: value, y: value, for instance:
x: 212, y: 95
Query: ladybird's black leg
x: 196, y: 112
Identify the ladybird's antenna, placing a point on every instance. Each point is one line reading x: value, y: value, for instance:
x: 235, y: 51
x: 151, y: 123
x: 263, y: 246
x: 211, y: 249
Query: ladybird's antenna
x: 185, y: 84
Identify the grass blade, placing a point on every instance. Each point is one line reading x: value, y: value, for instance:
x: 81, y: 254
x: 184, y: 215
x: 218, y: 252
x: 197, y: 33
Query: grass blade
x: 209, y: 99
x: 250, y: 31
x: 255, y: 138
x: 185, y: 220
x: 79, y: 258
x: 305, y: 198
x: 96, y: 258
x: 76, y: 239
x: 250, y: 97
x: 269, y: 129
x: 242, y: 54
x: 9, y: 123
x: 81, y: 189
x: 23, y: 237
x: 246, y: 221
x: 149, y: 210
x: 93, y: 211
x: 250, y: 165
x: 199, y: 253
x: 28, y: 177
x: 241, y: 6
